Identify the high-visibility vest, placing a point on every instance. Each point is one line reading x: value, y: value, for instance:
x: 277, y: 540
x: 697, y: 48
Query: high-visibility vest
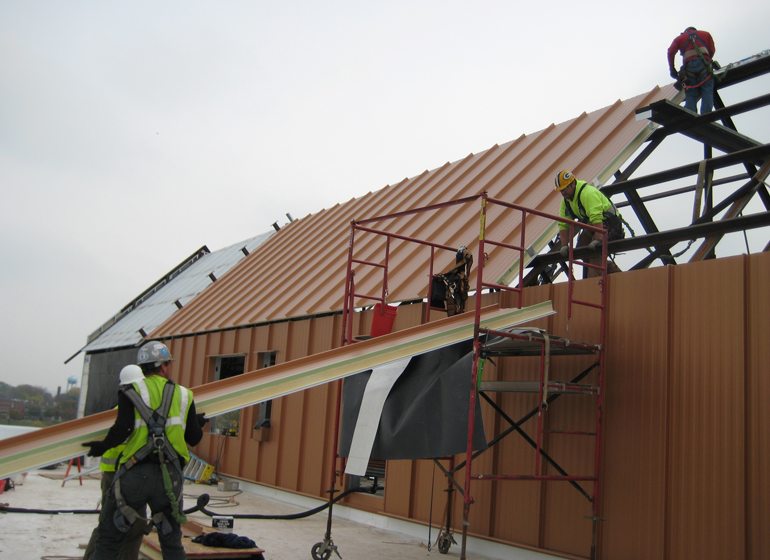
x: 587, y: 206
x: 151, y: 390
x: 109, y: 460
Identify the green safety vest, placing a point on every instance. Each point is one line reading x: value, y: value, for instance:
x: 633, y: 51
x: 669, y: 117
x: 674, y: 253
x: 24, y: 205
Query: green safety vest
x: 109, y: 461
x: 151, y: 390
x: 588, y: 206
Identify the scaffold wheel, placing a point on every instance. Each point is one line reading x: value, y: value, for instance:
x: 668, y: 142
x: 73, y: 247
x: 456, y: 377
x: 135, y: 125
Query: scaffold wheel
x: 445, y: 541
x: 320, y: 551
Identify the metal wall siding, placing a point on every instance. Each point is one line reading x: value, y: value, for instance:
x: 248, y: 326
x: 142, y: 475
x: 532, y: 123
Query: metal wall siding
x: 420, y: 502
x: 687, y: 435
x: 314, y: 431
x: 636, y: 416
x: 758, y: 411
x: 399, y: 488
x: 706, y: 431
x: 518, y: 503
x: 300, y: 270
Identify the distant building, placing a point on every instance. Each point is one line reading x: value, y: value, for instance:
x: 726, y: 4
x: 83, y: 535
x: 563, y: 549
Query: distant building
x: 11, y: 408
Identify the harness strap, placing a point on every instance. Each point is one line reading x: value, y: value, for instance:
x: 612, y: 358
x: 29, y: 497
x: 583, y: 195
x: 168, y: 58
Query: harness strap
x: 700, y: 50
x: 583, y: 217
x: 157, y: 443
x: 156, y: 421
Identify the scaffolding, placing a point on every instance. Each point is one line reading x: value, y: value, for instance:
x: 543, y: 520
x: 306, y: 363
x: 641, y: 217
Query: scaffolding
x: 492, y: 344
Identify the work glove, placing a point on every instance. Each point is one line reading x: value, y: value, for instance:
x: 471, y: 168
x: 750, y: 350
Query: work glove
x: 202, y: 420
x: 96, y: 448
x: 564, y: 252
x: 674, y: 74
x: 595, y: 245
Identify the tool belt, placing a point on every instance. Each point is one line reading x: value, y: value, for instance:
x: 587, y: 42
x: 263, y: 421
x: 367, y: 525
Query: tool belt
x: 450, y: 290
x: 614, y: 226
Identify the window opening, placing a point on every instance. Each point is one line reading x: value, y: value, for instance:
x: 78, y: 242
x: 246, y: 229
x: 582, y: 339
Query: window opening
x: 373, y: 480
x: 228, y: 424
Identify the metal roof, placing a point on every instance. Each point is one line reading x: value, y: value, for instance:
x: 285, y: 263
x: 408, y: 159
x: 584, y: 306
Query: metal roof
x: 182, y: 288
x: 300, y: 271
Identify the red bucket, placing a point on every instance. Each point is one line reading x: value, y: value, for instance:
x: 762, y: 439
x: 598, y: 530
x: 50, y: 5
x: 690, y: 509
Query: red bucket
x: 382, y: 320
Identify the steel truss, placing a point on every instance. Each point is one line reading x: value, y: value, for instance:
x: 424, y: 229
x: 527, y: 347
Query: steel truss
x: 711, y: 218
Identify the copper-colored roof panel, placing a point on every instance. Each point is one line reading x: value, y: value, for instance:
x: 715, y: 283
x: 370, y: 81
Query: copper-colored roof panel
x: 301, y: 269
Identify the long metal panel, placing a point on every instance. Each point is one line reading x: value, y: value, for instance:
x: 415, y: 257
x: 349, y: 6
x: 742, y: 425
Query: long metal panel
x: 706, y: 513
x: 638, y: 343
x: 758, y: 412
x: 63, y: 441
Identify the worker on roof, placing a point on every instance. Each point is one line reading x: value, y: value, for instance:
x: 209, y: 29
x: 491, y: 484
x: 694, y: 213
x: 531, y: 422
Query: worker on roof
x: 157, y: 421
x: 696, y: 74
x: 109, y: 461
x: 584, y: 203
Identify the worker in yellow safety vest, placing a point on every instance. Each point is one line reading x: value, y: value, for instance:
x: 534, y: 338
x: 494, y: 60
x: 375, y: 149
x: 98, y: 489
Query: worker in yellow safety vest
x: 157, y: 421
x: 585, y: 204
x: 107, y: 465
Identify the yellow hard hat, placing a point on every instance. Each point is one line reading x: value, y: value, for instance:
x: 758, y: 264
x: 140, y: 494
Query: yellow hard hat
x: 563, y: 180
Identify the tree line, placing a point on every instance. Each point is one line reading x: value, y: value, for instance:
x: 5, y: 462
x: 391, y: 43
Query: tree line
x: 27, y: 405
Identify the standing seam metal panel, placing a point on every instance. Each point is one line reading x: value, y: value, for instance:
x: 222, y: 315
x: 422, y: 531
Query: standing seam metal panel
x: 687, y: 450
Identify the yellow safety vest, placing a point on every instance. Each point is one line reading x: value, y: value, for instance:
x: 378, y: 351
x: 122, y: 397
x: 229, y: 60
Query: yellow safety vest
x: 109, y: 461
x: 151, y: 390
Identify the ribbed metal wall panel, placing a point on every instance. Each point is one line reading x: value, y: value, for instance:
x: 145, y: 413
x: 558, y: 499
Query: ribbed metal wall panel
x: 636, y: 418
x: 687, y: 448
x: 757, y: 487
x: 299, y: 270
x: 706, y: 446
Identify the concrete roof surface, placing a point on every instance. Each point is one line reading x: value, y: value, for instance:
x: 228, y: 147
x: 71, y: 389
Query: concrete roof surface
x: 64, y: 536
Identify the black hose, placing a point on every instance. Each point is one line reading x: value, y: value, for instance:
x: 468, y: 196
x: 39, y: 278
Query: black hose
x: 6, y: 509
x: 299, y: 515
x: 203, y: 500
x: 200, y: 505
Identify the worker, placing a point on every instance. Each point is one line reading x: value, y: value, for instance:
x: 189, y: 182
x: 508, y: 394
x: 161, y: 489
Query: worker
x: 696, y: 75
x: 130, y: 549
x: 157, y: 421
x: 586, y: 204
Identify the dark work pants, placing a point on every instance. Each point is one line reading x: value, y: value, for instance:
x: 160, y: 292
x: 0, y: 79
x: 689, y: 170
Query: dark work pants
x: 133, y: 541
x: 141, y: 485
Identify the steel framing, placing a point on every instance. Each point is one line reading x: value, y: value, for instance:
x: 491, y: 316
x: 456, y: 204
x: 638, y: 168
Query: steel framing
x: 711, y: 219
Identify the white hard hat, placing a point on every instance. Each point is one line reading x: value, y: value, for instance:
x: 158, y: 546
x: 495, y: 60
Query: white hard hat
x: 130, y: 374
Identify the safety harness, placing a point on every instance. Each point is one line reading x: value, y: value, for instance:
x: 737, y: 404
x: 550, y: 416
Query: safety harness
x: 612, y: 221
x: 449, y: 290
x: 696, y: 79
x: 158, y: 445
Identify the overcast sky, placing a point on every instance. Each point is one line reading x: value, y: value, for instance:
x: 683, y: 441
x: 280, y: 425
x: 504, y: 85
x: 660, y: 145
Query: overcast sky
x: 132, y: 133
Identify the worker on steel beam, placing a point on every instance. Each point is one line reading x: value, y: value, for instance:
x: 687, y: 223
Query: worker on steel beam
x: 697, y: 72
x: 584, y: 203
x: 157, y: 421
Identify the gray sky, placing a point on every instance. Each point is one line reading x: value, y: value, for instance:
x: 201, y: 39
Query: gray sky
x: 132, y: 133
